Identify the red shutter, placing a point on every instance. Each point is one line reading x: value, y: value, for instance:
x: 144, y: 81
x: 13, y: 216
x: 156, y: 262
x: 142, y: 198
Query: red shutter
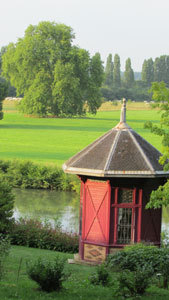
x: 96, y: 212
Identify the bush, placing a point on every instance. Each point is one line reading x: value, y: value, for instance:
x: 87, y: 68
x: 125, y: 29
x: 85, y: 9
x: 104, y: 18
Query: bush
x: 101, y: 276
x: 163, y: 265
x: 4, y: 251
x: 33, y: 233
x: 133, y: 256
x: 27, y: 174
x: 140, y: 256
x: 134, y: 283
x: 6, y: 205
x: 49, y: 275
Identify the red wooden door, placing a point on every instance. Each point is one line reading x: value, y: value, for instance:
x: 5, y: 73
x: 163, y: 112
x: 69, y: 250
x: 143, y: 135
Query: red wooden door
x: 96, y: 212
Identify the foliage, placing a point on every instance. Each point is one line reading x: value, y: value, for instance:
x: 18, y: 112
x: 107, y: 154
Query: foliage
x: 128, y: 74
x: 132, y: 284
x: 76, y: 287
x: 4, y: 251
x: 160, y: 95
x: 134, y: 256
x: 148, y: 71
x: 33, y: 233
x: 100, y: 276
x: 136, y: 93
x: 55, y: 77
x: 27, y: 174
x: 165, y: 239
x: 3, y: 93
x: 108, y: 80
x: 49, y: 275
x: 116, y: 72
x: 6, y: 205
x: 157, y: 70
x: 4, y: 85
x: 96, y: 72
x: 161, y: 69
x: 150, y: 258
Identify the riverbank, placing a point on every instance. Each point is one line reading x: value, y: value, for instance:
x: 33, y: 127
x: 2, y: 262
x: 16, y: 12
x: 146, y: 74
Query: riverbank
x: 30, y: 175
x: 17, y: 285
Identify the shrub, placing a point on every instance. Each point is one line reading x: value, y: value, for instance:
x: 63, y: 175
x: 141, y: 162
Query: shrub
x: 163, y: 265
x: 27, y: 174
x: 49, y: 275
x: 141, y: 256
x: 134, y: 283
x: 33, y: 233
x: 4, y: 251
x: 6, y: 205
x: 101, y: 276
x: 133, y: 256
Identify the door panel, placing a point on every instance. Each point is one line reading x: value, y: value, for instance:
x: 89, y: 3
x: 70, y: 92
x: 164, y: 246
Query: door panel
x: 96, y: 212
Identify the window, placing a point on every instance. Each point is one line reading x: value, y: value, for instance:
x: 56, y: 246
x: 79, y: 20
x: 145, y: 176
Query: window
x: 126, y: 225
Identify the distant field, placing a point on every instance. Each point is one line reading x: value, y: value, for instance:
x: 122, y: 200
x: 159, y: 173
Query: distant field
x: 131, y: 105
x: 52, y: 140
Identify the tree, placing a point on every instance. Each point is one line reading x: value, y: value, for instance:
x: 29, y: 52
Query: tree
x: 6, y: 205
x: 148, y: 71
x: 96, y: 78
x: 3, y: 83
x: 51, y: 73
x: 160, y: 94
x: 116, y: 72
x: 161, y: 69
x: 128, y: 74
x: 108, y: 81
x: 3, y: 93
x: 2, y: 51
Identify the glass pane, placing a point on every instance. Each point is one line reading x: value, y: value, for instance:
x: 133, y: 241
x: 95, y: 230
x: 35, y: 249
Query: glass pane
x: 125, y: 196
x: 124, y: 225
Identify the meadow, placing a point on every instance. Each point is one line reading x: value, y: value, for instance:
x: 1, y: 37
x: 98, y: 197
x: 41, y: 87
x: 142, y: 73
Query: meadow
x: 54, y: 140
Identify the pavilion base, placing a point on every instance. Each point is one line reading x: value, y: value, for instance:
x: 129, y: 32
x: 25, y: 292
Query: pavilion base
x: 77, y: 260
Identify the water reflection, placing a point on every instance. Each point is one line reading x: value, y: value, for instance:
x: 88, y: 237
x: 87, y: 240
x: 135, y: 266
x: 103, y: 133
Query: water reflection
x: 54, y: 205
x: 50, y: 205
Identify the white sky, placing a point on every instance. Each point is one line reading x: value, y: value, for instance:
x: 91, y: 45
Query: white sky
x: 138, y: 29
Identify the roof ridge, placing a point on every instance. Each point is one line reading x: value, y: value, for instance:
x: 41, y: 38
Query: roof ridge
x: 112, y: 152
x: 141, y: 151
x: 147, y: 142
x: 96, y: 142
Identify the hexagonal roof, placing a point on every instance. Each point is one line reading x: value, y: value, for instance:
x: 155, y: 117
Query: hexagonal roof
x: 119, y: 152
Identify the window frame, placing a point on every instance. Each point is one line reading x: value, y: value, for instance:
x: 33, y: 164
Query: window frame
x: 135, y: 204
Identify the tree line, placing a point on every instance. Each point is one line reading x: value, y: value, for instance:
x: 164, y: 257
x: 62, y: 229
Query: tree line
x: 57, y: 78
x: 119, y: 84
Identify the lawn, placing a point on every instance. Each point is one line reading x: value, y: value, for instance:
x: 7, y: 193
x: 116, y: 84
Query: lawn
x: 54, y: 140
x: 17, y: 285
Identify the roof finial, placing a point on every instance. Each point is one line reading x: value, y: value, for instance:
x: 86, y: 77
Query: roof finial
x: 123, y: 112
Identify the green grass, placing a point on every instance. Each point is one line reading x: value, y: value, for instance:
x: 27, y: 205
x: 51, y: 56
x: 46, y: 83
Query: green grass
x: 54, y: 140
x: 17, y: 285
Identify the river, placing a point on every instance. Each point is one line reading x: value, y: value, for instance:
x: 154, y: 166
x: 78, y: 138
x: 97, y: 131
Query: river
x: 54, y: 206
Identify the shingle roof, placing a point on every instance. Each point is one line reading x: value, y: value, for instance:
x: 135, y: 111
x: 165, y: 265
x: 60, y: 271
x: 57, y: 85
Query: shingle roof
x: 119, y: 152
